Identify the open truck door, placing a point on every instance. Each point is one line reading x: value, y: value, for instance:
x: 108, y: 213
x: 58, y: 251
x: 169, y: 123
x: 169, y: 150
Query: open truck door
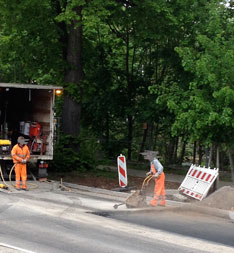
x: 28, y: 110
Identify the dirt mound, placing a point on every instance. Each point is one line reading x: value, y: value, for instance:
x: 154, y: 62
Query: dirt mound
x: 136, y: 200
x: 222, y: 199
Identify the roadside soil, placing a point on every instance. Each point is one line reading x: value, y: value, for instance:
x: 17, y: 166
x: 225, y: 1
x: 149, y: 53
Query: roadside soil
x: 108, y: 181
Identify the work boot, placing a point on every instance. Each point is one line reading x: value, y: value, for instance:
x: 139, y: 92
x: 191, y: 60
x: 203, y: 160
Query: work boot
x: 24, y: 189
x: 154, y: 202
x: 162, y: 203
x: 18, y: 189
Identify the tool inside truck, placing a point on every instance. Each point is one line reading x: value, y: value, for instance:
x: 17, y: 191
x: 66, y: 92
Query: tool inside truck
x: 25, y: 112
x: 28, y: 111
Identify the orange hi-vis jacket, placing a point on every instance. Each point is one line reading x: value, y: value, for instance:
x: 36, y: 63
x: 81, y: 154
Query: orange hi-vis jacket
x: 20, y: 153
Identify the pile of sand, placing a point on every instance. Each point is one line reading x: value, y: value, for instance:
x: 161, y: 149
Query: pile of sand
x: 223, y: 198
x: 137, y: 199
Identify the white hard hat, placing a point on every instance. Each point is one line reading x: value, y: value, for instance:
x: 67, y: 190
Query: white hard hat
x: 21, y: 140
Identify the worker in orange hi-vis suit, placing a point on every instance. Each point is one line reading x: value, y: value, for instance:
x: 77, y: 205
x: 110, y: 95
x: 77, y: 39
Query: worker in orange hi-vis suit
x: 20, y: 154
x: 159, y: 190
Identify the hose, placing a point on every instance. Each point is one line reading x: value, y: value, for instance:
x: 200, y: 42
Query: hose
x: 60, y: 185
x: 2, y: 177
x: 149, y: 180
x: 63, y: 187
x: 146, y: 181
x: 32, y: 186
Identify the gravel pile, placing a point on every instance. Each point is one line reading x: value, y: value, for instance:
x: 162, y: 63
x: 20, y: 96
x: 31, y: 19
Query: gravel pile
x: 137, y: 199
x: 223, y: 198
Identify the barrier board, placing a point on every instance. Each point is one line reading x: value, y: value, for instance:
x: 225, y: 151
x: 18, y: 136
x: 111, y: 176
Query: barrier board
x: 122, y: 170
x: 198, y: 181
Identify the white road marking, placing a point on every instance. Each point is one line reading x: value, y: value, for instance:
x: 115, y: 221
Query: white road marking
x: 15, y: 248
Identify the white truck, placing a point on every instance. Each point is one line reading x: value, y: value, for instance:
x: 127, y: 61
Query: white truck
x: 28, y: 110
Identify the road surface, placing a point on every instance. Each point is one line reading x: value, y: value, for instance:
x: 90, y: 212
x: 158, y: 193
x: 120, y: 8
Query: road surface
x: 75, y: 222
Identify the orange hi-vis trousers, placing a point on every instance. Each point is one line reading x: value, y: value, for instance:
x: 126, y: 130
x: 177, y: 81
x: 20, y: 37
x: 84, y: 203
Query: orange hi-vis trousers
x: 20, y: 153
x: 20, y: 173
x: 159, y: 191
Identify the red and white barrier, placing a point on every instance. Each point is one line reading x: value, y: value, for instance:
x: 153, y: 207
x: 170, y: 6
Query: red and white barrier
x: 198, y: 181
x: 122, y: 170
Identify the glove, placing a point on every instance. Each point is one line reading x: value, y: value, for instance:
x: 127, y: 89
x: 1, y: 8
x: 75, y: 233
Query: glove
x: 148, y: 173
x: 156, y: 175
x: 24, y: 161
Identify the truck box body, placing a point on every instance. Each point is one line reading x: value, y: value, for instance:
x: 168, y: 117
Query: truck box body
x: 28, y: 110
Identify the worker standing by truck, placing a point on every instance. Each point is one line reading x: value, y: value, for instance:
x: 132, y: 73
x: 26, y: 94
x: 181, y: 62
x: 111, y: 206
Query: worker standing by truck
x: 20, y: 155
x: 156, y: 169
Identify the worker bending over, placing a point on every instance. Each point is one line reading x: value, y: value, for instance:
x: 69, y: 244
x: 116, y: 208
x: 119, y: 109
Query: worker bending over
x: 20, y: 154
x: 159, y: 177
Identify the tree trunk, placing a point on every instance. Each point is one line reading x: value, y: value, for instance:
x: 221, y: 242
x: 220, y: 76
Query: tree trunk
x: 151, y: 136
x: 129, y: 93
x: 175, y: 150
x: 200, y: 154
x: 183, y: 152
x: 231, y: 164
x: 194, y: 152
x: 206, y: 157
x: 210, y: 156
x: 217, y: 157
x: 216, y: 182
x: 74, y: 75
x: 71, y: 116
x: 143, y: 141
x: 130, y: 123
x: 107, y: 137
x: 171, y: 150
x: 155, y: 138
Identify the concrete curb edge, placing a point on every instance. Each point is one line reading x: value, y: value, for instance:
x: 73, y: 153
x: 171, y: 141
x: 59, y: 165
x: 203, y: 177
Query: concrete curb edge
x: 179, y: 205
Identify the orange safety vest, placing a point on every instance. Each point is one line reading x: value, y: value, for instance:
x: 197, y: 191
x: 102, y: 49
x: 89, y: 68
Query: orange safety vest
x: 20, y: 153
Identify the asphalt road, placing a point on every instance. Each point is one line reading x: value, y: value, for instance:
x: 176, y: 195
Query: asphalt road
x: 192, y: 224
x: 42, y: 233
x: 69, y: 223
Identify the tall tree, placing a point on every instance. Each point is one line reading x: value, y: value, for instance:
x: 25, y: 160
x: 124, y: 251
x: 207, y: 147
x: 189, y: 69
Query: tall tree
x: 72, y: 16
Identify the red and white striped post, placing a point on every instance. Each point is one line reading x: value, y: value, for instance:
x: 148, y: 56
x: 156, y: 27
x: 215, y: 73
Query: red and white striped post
x: 122, y: 170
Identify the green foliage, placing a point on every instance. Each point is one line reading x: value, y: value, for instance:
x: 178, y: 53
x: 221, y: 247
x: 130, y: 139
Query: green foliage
x: 205, y: 110
x: 67, y: 158
x: 169, y: 64
x: 29, y: 46
x: 73, y: 90
x: 59, y: 105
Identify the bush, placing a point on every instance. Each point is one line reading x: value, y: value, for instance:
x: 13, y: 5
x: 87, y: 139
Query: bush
x: 72, y: 154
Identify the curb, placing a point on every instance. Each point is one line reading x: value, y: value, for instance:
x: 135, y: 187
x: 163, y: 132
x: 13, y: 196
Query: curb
x: 171, y: 204
x: 108, y: 192
x: 181, y: 206
x: 225, y: 214
x: 97, y: 190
